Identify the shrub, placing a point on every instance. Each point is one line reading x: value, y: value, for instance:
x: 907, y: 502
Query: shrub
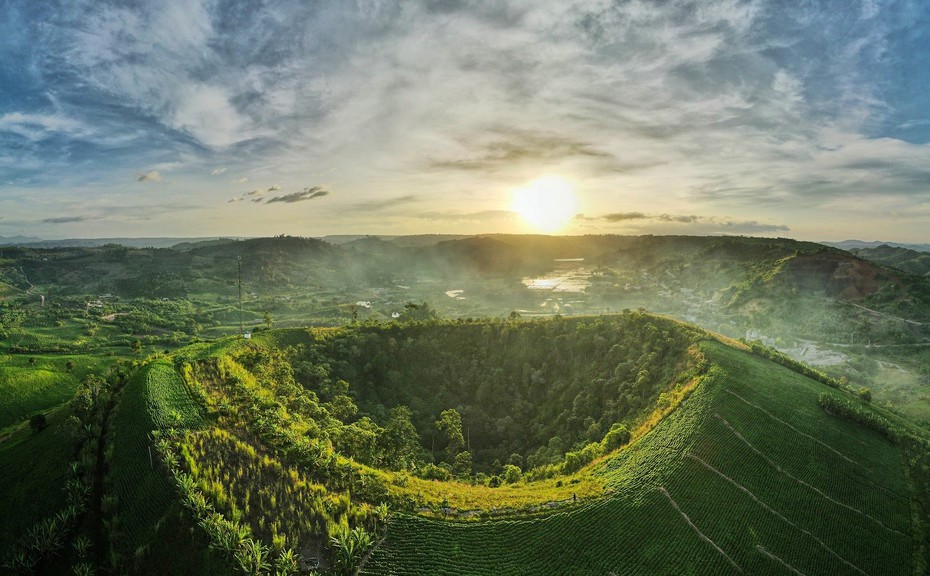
x: 617, y: 437
x: 433, y: 472
x: 572, y: 463
x: 512, y: 474
x: 858, y: 414
x: 38, y: 422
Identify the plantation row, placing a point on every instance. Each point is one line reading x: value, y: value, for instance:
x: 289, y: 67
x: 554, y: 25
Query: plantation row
x: 170, y: 403
x: 138, y: 494
x: 279, y: 504
x: 749, y: 475
x: 719, y: 487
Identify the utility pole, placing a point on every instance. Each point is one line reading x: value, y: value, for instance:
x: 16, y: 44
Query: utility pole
x: 239, y: 282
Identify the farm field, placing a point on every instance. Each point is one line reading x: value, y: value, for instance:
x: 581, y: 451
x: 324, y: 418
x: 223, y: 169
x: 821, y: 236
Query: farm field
x: 465, y: 288
x: 154, y: 398
x: 33, y: 471
x: 292, y: 441
x: 747, y: 476
x: 33, y: 384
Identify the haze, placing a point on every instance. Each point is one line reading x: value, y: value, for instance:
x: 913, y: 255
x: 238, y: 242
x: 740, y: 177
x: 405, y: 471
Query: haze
x: 187, y: 118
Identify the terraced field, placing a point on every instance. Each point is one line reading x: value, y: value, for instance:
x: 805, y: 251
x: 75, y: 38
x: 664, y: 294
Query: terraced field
x: 748, y: 476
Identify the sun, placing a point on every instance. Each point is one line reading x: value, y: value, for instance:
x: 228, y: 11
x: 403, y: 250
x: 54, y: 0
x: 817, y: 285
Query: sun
x: 547, y: 204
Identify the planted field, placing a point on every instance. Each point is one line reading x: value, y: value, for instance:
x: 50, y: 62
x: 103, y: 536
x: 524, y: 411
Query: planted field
x: 155, y: 397
x: 28, y: 387
x: 169, y: 401
x: 279, y: 504
x: 747, y: 476
x: 31, y: 487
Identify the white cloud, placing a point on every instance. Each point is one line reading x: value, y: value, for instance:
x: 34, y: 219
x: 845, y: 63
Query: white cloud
x: 154, y: 59
x: 701, y: 105
x: 37, y: 126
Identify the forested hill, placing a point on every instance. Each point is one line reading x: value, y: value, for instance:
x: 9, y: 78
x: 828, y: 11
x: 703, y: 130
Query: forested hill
x: 625, y: 443
x: 728, y: 284
x: 897, y: 257
x: 536, y: 389
x: 275, y: 264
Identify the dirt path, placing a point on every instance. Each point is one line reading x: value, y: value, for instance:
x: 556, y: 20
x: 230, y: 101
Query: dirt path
x: 31, y: 285
x: 883, y: 314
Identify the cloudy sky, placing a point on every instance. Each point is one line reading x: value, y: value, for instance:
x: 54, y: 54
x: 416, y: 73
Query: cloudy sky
x: 808, y: 119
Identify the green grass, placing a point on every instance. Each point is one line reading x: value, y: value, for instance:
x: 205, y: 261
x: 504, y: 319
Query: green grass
x: 33, y: 471
x: 770, y: 484
x: 154, y: 396
x: 170, y: 403
x: 29, y: 388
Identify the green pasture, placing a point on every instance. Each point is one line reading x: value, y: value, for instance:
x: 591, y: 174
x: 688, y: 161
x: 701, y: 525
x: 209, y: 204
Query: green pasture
x: 30, y: 384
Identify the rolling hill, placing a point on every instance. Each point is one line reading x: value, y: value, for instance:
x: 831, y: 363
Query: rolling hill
x: 410, y: 437
x: 295, y: 443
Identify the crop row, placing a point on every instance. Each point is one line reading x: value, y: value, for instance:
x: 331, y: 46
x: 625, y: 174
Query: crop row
x: 169, y: 401
x: 141, y: 491
x: 719, y: 487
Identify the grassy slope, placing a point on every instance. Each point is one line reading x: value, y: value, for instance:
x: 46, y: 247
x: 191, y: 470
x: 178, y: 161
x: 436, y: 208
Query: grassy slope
x: 769, y: 484
x: 26, y: 389
x: 143, y: 491
x: 33, y: 471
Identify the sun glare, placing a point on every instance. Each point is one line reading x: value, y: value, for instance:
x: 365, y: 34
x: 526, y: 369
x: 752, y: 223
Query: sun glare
x: 547, y: 204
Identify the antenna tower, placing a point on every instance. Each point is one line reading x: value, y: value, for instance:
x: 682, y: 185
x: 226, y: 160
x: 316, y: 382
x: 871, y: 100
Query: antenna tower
x: 239, y: 283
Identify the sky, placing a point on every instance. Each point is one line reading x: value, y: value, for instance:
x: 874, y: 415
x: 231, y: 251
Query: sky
x: 796, y: 118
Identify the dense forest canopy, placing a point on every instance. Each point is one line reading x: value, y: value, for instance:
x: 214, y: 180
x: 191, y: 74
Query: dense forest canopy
x: 521, y: 392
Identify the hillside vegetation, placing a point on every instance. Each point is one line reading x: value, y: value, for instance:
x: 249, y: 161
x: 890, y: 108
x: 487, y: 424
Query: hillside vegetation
x: 747, y: 476
x: 371, y: 423
x: 300, y: 450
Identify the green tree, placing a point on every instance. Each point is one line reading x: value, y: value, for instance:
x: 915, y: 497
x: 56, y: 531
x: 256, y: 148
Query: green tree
x: 512, y: 474
x: 865, y: 393
x: 450, y: 424
x: 82, y: 404
x: 399, y: 441
x: 572, y: 463
x: 418, y: 312
x: 360, y: 441
x: 342, y: 407
x: 615, y: 438
x: 463, y: 464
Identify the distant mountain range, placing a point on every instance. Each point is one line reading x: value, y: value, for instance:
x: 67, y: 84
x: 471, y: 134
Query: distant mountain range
x: 851, y: 244
x: 18, y: 240
x: 399, y: 240
x: 33, y: 242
